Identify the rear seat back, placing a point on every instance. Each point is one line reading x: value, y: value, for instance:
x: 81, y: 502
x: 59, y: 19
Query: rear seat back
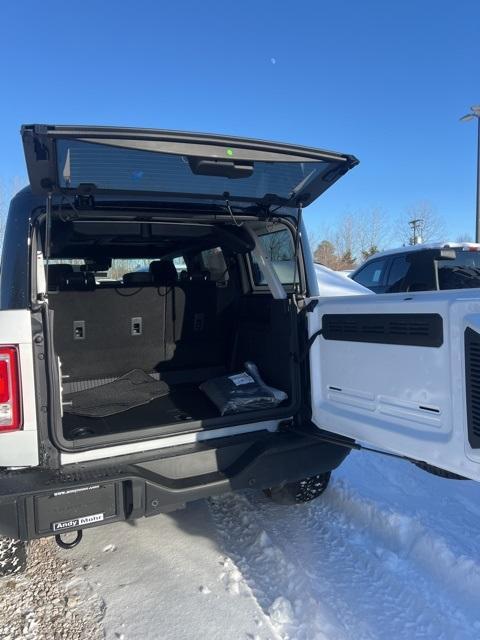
x: 57, y: 273
x: 193, y: 335
x: 106, y: 332
x: 163, y: 272
x: 137, y: 278
x: 62, y: 277
x: 79, y: 281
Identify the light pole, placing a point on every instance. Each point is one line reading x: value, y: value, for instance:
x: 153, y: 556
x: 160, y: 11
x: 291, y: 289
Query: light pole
x: 475, y: 114
x: 416, y: 226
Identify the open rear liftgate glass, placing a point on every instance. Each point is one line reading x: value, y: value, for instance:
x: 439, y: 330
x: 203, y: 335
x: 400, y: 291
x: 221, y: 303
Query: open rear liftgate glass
x: 177, y: 166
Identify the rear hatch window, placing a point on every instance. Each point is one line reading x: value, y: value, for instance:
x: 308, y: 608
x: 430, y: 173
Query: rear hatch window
x: 176, y: 165
x: 113, y: 169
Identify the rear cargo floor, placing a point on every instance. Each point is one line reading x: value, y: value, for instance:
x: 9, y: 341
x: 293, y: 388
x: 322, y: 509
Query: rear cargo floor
x: 184, y: 402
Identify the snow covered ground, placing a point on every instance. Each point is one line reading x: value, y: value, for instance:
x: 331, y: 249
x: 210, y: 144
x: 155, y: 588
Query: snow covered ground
x: 388, y: 553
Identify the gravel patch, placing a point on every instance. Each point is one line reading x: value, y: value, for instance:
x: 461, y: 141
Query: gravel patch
x: 48, y: 602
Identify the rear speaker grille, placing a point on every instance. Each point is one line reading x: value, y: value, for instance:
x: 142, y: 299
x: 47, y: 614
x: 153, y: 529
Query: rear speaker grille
x: 472, y: 378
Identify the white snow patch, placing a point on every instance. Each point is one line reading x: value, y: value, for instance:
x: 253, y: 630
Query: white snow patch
x: 165, y: 580
x: 388, y: 552
x: 281, y: 611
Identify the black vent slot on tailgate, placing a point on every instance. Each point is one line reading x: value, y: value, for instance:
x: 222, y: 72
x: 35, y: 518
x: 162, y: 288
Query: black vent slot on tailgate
x: 472, y: 379
x: 413, y: 329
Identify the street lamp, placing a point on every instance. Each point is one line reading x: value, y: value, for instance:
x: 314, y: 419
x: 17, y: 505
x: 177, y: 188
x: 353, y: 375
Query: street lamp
x: 475, y: 113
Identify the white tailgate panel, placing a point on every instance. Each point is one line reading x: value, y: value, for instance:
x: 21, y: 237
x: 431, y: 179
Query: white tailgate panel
x: 406, y: 399
x: 20, y: 448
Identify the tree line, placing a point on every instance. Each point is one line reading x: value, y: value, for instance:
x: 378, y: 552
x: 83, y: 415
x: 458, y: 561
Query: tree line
x: 360, y: 234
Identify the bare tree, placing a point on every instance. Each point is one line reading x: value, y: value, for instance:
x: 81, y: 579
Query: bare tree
x: 362, y: 233
x: 277, y: 245
x: 345, y: 239
x: 431, y: 224
x: 356, y: 236
x: 373, y: 233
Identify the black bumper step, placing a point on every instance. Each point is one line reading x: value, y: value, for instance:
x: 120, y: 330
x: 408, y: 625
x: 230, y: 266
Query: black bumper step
x: 36, y: 503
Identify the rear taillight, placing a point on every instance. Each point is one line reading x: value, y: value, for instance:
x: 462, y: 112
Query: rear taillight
x: 10, y: 413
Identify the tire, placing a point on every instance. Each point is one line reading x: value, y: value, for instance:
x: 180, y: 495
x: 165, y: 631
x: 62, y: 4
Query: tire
x: 13, y: 556
x: 301, y: 491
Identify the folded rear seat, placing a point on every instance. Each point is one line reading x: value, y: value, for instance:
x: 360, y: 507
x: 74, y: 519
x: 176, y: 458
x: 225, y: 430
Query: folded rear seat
x: 106, y: 332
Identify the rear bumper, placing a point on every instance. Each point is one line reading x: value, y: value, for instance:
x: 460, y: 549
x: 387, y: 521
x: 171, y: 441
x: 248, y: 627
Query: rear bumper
x: 37, y: 503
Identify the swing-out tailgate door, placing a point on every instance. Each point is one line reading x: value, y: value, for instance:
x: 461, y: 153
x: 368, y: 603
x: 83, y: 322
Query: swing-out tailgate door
x: 401, y: 373
x: 172, y: 165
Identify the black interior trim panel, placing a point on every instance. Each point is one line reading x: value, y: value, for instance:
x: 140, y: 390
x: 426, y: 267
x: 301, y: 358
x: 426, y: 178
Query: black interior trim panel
x: 412, y: 329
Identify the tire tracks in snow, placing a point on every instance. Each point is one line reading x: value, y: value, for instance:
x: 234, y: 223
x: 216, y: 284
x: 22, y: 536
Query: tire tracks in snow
x: 270, y: 574
x: 342, y: 568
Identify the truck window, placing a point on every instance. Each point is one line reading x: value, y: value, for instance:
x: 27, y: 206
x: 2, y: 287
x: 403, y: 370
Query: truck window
x: 461, y: 273
x: 279, y: 249
x: 396, y: 276
x: 371, y: 276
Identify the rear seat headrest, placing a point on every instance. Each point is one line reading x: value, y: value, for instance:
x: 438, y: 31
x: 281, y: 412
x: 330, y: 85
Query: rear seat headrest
x: 79, y: 281
x: 137, y: 278
x: 57, y: 274
x: 199, y: 275
x: 163, y: 272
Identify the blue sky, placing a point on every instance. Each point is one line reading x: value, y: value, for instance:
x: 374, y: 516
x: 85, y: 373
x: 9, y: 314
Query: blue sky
x: 386, y: 81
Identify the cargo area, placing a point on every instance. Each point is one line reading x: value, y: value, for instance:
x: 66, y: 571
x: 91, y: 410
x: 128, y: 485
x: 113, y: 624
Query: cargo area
x: 194, y: 307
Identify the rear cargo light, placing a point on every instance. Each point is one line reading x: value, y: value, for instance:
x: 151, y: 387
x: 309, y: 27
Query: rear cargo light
x: 10, y: 414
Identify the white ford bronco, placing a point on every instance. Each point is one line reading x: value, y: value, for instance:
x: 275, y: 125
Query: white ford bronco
x: 163, y: 337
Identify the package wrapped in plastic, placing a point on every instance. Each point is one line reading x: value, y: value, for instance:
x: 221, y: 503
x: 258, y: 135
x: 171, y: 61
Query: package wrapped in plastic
x: 243, y: 391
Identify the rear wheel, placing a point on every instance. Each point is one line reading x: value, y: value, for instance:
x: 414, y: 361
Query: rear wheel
x: 301, y: 491
x: 13, y: 556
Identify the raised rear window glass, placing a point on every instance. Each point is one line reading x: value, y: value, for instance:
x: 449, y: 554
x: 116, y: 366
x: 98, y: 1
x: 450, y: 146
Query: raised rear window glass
x: 121, y: 169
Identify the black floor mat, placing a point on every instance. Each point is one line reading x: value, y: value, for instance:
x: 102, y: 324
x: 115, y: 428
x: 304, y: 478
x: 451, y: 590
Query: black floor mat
x: 133, y: 389
x: 184, y: 402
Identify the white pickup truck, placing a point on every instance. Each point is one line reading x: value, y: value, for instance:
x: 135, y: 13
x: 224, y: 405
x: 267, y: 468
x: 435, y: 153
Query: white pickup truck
x: 163, y: 337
